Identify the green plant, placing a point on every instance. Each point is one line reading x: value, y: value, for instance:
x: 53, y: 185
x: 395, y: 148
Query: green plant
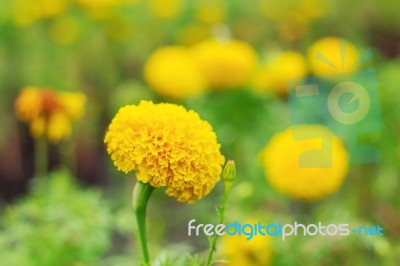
x: 57, y: 223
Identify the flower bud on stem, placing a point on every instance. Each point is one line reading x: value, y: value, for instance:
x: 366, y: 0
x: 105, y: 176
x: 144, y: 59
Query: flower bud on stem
x: 228, y: 175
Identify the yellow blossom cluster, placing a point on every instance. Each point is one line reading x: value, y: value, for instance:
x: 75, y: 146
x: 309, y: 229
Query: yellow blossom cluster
x: 332, y: 55
x: 226, y: 64
x: 276, y: 72
x: 328, y: 55
x: 305, y: 162
x: 49, y: 113
x: 168, y: 146
x: 180, y: 72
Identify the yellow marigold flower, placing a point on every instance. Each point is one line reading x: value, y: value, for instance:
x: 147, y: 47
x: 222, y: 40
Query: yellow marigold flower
x: 58, y: 126
x: 28, y: 104
x: 48, y: 112
x: 277, y: 71
x: 167, y: 146
x: 332, y: 55
x: 241, y: 252
x: 173, y: 73
x: 307, y: 165
x: 226, y: 65
x: 73, y: 103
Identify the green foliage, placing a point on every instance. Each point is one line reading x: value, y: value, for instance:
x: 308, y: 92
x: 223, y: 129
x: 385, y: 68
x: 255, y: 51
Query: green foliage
x: 58, y: 223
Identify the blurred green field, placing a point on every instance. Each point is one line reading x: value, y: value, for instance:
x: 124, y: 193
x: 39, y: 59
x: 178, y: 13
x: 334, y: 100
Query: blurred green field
x: 62, y: 200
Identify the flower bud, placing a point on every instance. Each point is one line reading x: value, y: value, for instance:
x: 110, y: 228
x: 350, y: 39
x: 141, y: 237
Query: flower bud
x: 228, y: 175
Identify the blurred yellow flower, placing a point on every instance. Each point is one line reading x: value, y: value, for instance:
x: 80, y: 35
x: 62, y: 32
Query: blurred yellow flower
x: 26, y: 12
x: 166, y: 9
x: 332, y: 55
x: 210, y: 11
x: 167, y: 146
x: 241, y: 252
x: 226, y: 64
x: 278, y: 70
x: 48, y: 112
x: 173, y: 73
x: 305, y: 162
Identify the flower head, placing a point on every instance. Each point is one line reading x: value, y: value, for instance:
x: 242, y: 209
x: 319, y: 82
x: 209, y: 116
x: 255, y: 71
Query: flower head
x: 305, y: 162
x: 277, y: 71
x: 167, y: 146
x: 332, y: 55
x: 226, y: 65
x: 241, y: 252
x: 172, y: 72
x: 48, y: 112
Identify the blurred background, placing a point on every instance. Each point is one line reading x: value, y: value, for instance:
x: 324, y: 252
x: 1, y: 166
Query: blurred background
x: 67, y: 66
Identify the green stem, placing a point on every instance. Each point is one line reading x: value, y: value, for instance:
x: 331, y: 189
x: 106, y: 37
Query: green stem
x: 141, y: 196
x: 213, y: 238
x: 67, y: 151
x: 228, y: 175
x: 41, y: 156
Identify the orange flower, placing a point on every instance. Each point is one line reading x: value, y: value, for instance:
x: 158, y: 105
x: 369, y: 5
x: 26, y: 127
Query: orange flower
x: 48, y: 112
